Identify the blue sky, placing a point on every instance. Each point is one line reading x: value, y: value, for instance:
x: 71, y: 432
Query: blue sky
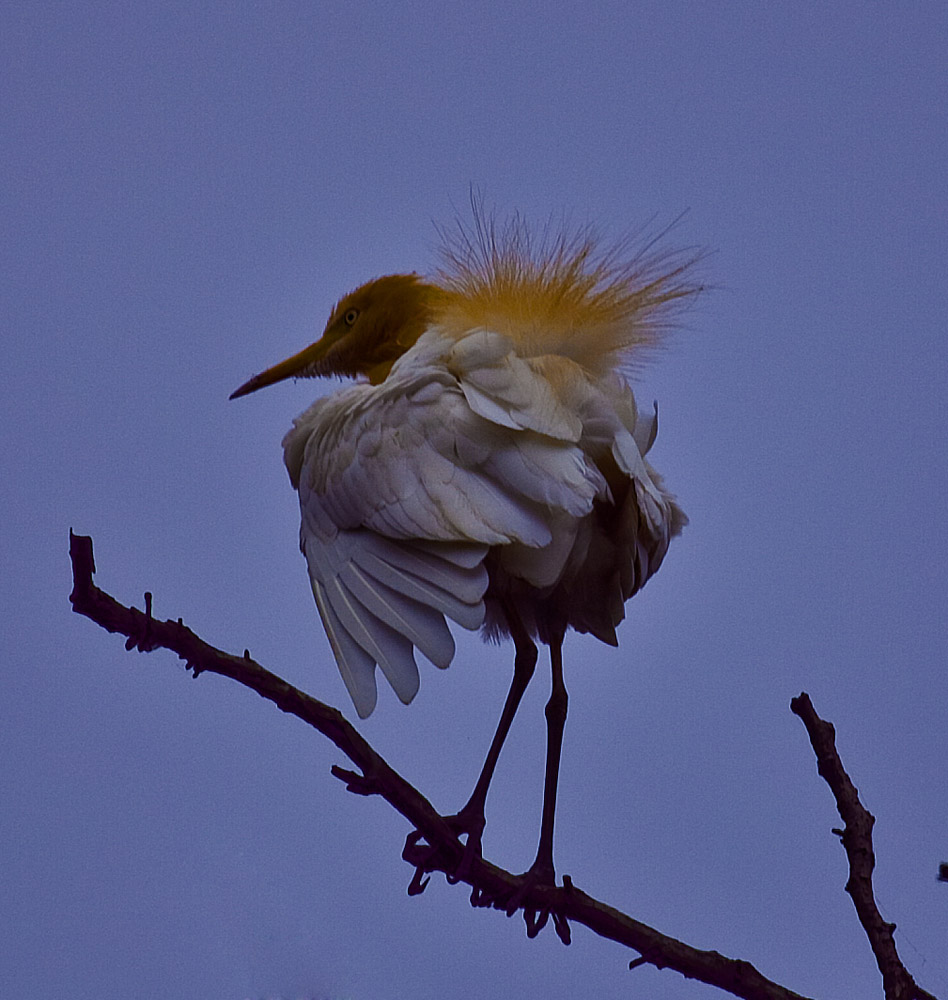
x: 184, y: 193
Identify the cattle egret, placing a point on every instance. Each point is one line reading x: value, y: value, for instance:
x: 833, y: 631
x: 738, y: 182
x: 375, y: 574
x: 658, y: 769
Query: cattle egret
x: 488, y: 465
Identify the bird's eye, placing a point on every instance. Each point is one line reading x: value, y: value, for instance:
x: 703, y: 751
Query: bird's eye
x: 350, y: 317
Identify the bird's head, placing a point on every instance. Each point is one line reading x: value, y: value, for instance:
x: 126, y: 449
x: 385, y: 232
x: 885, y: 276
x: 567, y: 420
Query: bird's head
x: 367, y: 332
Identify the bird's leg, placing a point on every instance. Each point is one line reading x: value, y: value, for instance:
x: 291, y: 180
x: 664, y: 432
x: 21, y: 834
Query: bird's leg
x: 542, y: 871
x: 555, y: 712
x: 470, y: 819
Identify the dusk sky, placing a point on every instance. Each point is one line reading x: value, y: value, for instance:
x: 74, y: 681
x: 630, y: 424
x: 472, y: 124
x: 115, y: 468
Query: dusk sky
x: 185, y: 192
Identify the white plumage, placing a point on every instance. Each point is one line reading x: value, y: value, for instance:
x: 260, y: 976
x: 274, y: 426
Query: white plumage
x: 467, y: 445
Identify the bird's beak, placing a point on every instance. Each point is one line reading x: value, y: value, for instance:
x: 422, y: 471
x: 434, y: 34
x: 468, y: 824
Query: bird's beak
x: 300, y: 364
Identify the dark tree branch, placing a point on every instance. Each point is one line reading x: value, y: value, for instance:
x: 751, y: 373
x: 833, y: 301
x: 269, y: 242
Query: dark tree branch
x: 857, y: 841
x: 432, y: 846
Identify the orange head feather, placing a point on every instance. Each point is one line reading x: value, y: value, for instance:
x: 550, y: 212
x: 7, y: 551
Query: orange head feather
x: 367, y: 331
x: 370, y: 328
x: 566, y: 295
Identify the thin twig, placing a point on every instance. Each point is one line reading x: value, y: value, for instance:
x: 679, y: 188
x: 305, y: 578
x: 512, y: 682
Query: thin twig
x: 857, y: 841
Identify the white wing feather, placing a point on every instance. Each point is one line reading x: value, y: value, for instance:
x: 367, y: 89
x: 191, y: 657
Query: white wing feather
x: 404, y: 487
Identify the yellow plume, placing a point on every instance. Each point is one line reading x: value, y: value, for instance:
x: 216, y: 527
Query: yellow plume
x: 565, y: 294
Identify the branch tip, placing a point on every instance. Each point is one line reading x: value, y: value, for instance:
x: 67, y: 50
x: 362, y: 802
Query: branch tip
x: 856, y: 838
x: 359, y: 784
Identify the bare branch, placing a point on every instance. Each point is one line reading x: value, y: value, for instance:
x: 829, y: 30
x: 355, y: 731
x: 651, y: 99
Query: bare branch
x: 857, y: 840
x: 432, y: 846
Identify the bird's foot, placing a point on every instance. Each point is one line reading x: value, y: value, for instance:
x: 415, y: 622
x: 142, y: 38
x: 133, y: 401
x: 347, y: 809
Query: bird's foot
x: 468, y: 823
x: 468, y: 826
x: 424, y: 857
x: 537, y: 875
x: 540, y: 874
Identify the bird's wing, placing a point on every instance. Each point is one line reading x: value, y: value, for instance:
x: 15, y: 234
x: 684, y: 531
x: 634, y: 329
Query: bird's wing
x: 610, y: 555
x: 405, y: 485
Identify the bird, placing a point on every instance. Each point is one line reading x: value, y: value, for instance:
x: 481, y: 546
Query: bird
x: 487, y: 464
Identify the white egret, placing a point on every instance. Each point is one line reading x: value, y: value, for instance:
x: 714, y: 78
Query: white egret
x: 488, y: 466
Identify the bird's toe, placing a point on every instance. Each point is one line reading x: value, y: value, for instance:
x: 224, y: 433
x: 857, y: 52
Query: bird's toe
x: 469, y: 824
